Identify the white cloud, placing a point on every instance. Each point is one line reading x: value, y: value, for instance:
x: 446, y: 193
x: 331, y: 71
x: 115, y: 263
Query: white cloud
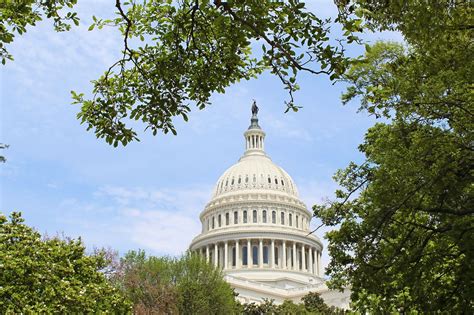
x: 161, y: 221
x: 162, y: 231
x: 289, y: 127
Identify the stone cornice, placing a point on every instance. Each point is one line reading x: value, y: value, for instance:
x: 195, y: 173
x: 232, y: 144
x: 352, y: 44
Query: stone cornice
x: 282, y: 293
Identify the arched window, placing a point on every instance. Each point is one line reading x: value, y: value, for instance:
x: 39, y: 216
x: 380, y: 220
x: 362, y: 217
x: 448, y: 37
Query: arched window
x: 240, y: 180
x: 269, y: 180
x: 208, y: 224
x: 244, y: 256
x: 276, y: 256
x: 255, y: 255
x: 232, y: 182
x: 254, y: 216
x: 233, y: 256
x: 282, y: 218
x: 274, y: 217
x: 246, y: 179
x: 227, y: 218
x: 265, y: 254
x: 296, y: 221
x: 290, y: 220
x: 219, y: 220
x: 264, y: 216
x: 282, y: 183
x: 276, y: 181
x: 245, y: 216
x: 213, y: 222
x: 236, y: 217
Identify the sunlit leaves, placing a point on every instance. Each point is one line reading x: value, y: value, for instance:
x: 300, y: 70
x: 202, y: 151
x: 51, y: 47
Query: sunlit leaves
x: 16, y: 16
x: 51, y: 275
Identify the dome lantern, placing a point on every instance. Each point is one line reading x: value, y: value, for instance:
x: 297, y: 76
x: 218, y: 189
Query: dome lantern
x: 254, y: 136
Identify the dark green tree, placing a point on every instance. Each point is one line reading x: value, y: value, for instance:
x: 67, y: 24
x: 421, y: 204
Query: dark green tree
x: 313, y: 302
x: 201, y: 287
x: 405, y: 240
x: 52, y: 276
x: 289, y: 307
x: 161, y: 285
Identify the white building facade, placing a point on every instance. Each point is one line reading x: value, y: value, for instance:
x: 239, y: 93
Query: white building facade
x: 258, y: 231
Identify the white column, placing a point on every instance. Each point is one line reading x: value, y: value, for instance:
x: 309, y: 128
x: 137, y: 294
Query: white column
x: 310, y: 264
x: 260, y: 253
x: 249, y: 251
x: 317, y: 263
x: 207, y: 253
x: 303, y: 258
x: 237, y: 249
x: 272, y: 251
x: 216, y: 255
x: 283, y: 260
x: 295, y: 267
x: 226, y: 257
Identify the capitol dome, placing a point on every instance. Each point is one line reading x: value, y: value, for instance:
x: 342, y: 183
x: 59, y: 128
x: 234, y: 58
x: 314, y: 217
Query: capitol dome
x: 257, y: 229
x: 255, y: 172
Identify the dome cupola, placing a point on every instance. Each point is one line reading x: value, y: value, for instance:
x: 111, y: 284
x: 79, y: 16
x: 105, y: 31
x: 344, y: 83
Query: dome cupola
x: 255, y: 170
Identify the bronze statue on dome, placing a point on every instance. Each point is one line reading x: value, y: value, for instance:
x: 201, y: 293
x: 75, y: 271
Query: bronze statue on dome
x: 254, y: 108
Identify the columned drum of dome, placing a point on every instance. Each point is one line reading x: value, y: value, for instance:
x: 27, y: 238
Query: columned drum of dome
x: 257, y: 229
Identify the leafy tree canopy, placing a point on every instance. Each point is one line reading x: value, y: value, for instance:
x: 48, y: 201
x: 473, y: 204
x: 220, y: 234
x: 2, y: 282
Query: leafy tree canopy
x: 17, y: 15
x: 405, y: 215
x: 51, y: 275
x: 312, y: 303
x: 161, y: 285
x: 178, y: 53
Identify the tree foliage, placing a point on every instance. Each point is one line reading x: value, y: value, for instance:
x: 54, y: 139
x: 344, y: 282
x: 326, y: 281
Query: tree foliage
x: 312, y: 304
x: 161, y: 285
x: 405, y: 215
x: 17, y: 15
x: 51, y: 275
x: 178, y: 54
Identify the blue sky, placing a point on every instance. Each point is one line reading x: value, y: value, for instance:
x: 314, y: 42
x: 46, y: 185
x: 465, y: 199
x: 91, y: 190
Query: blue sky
x: 149, y: 194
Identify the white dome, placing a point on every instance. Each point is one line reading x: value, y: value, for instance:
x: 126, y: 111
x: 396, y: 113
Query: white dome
x: 255, y: 172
